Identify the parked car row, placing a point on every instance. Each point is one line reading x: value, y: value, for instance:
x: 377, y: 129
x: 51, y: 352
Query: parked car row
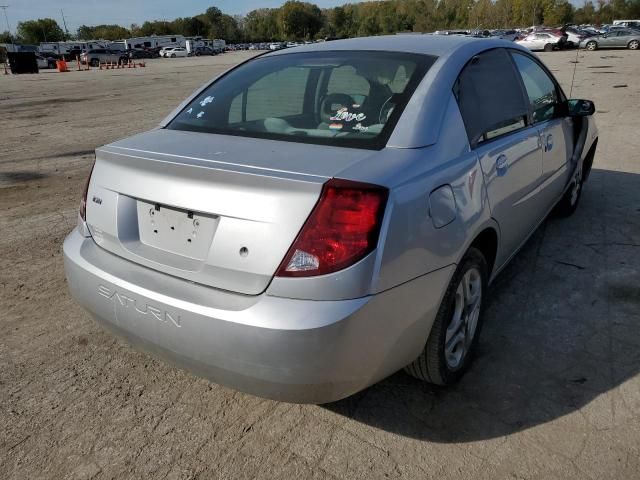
x: 570, y: 36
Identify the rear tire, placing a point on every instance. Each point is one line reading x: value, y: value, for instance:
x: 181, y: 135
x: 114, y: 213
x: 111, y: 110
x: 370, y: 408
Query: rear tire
x: 633, y: 45
x: 548, y: 47
x: 95, y: 62
x: 454, y: 335
x: 173, y: 55
x: 591, y: 46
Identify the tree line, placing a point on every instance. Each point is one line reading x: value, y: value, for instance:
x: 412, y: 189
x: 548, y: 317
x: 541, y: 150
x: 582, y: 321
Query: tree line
x: 296, y: 20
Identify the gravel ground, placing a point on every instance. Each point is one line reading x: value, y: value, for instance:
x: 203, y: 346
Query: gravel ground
x: 554, y: 393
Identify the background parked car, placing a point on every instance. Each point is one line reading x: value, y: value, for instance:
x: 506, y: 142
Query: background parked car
x: 575, y: 36
x: 510, y: 35
x: 546, y: 41
x: 102, y: 55
x: 199, y: 51
x: 173, y: 52
x: 45, y: 62
x: 619, y: 38
x: 137, y: 53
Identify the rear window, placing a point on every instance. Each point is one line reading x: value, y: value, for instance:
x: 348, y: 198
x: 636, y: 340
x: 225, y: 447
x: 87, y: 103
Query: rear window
x: 351, y: 99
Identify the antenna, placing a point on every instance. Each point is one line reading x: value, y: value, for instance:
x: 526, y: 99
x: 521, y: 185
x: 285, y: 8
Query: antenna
x: 4, y: 7
x: 64, y: 22
x: 575, y: 65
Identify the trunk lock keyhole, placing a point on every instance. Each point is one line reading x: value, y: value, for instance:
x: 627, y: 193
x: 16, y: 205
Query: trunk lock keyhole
x: 244, y: 251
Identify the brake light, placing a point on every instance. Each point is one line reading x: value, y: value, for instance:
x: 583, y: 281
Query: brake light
x: 83, y: 200
x: 342, y: 229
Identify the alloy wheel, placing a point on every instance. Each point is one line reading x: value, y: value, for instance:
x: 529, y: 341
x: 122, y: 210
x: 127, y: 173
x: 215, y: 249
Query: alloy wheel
x: 633, y: 44
x: 464, y: 321
x: 575, y: 188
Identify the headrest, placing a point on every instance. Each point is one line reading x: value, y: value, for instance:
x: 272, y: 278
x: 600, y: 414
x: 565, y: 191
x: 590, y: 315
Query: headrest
x: 377, y: 72
x: 332, y: 103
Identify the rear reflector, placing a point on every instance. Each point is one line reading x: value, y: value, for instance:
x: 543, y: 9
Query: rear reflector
x: 342, y: 229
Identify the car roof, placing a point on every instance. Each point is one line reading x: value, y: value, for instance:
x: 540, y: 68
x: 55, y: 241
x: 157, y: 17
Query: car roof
x: 426, y: 44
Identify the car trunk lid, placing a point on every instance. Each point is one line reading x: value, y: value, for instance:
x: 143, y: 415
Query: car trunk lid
x: 217, y: 210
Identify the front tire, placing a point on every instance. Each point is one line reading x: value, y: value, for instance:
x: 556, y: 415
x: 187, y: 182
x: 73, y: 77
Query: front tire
x: 571, y: 198
x: 633, y: 45
x: 454, y: 335
x: 548, y: 47
x: 591, y: 46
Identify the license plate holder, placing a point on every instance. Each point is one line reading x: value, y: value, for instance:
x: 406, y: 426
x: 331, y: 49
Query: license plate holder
x: 178, y: 231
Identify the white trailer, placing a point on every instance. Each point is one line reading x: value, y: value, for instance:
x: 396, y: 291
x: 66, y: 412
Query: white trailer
x: 627, y: 23
x: 155, y: 41
x: 63, y: 48
x: 218, y: 44
x: 193, y: 43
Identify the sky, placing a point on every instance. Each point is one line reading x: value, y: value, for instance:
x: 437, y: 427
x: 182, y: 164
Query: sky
x: 126, y: 12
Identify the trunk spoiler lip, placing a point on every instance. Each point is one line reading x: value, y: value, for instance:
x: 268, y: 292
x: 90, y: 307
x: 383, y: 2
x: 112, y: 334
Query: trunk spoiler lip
x: 200, y: 162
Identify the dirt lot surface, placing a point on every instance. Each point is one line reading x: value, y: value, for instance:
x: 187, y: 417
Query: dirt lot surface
x: 554, y: 393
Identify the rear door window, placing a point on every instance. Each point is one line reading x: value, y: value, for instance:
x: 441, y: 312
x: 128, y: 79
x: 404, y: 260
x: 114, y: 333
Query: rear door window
x: 490, y: 97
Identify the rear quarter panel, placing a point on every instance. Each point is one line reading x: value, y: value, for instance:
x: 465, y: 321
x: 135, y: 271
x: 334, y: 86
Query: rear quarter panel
x: 413, y: 245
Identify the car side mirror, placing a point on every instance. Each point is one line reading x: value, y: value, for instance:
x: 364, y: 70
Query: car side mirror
x: 580, y: 108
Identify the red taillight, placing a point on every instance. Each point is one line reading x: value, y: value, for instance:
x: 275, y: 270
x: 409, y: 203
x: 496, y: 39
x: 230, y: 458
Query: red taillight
x: 343, y: 228
x: 83, y: 200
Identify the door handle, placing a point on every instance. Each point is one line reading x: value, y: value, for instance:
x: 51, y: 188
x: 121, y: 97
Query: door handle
x: 502, y: 165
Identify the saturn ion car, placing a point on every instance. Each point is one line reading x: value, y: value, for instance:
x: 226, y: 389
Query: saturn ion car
x: 315, y: 219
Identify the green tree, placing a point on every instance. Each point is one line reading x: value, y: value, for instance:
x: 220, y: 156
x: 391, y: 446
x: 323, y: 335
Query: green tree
x: 300, y: 20
x: 189, y: 27
x: 262, y: 25
x: 41, y: 30
x: 106, y: 32
x: 585, y: 14
x: 6, y: 37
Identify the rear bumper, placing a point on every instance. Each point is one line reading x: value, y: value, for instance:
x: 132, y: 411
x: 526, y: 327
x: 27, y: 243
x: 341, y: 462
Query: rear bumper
x: 299, y: 351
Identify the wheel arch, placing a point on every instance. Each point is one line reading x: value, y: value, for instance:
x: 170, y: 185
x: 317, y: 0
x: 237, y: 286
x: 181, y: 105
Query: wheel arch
x: 487, y: 242
x: 588, y: 160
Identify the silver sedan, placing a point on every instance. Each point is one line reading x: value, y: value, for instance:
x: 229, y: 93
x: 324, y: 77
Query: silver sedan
x: 618, y: 38
x: 315, y: 219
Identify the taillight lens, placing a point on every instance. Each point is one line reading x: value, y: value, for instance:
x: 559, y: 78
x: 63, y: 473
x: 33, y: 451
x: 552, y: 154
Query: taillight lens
x: 343, y: 228
x: 83, y: 200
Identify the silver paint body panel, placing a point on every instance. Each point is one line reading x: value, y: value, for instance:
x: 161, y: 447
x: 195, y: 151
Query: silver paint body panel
x: 207, y: 307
